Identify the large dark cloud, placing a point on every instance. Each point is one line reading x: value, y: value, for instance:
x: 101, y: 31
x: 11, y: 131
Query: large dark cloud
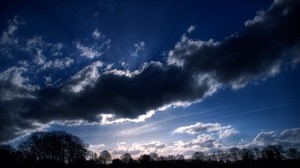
x: 124, y: 96
x: 267, y: 41
x: 195, y: 69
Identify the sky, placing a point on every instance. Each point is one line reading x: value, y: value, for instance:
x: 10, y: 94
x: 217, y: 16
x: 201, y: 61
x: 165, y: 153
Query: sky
x: 171, y: 76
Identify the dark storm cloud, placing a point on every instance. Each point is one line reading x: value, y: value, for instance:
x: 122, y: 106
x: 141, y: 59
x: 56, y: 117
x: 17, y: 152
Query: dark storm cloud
x: 267, y: 41
x: 152, y: 87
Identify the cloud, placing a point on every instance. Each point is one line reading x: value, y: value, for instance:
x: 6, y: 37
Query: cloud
x: 8, y: 38
x: 85, y: 77
x: 96, y: 34
x: 257, y: 52
x: 100, y: 44
x: 140, y: 46
x: 89, y: 52
x: 15, y: 85
x: 136, y: 149
x: 58, y: 63
x: 207, y: 143
x: 39, y: 48
x: 203, y: 143
x: 191, y: 29
x: 199, y: 127
x: 289, y: 138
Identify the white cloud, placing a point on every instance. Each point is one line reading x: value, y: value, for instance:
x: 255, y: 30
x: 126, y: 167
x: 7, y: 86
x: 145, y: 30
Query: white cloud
x: 185, y: 48
x: 265, y: 137
x: 97, y: 34
x: 140, y: 46
x: 37, y: 46
x: 203, y: 143
x: 8, y: 38
x: 191, y: 29
x: 89, y: 52
x: 199, y: 127
x: 292, y: 135
x: 15, y: 85
x: 58, y: 63
x: 99, y: 45
x: 97, y: 148
x: 136, y: 149
x: 56, y: 49
x: 287, y: 138
x: 206, y: 143
x: 86, y: 77
x: 111, y: 119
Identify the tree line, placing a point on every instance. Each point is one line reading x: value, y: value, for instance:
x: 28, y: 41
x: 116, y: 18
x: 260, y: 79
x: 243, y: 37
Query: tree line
x: 61, y: 149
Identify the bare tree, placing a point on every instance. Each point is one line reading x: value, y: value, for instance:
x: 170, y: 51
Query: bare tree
x: 154, y: 156
x: 272, y: 152
x: 55, y: 146
x: 144, y: 158
x: 234, y: 153
x: 105, y: 157
x: 292, y: 153
x: 246, y: 154
x: 126, y: 158
x: 198, y: 156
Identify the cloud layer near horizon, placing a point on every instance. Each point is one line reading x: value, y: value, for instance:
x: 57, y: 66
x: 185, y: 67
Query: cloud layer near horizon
x: 195, y: 70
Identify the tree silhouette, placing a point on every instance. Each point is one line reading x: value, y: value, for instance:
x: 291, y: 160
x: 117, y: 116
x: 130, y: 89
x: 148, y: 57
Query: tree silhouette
x: 126, y: 158
x: 7, y: 155
x: 55, y: 146
x: 105, y: 157
x: 272, y: 152
x: 234, y: 153
x: 144, y: 158
x: 246, y: 154
x: 198, y: 156
x: 292, y: 153
x: 154, y: 156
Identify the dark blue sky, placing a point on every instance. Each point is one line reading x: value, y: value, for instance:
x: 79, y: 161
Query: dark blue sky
x: 152, y: 76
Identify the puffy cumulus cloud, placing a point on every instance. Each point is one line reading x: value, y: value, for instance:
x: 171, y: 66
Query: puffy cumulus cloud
x: 265, y: 44
x: 199, y: 127
x: 204, y: 143
x: 136, y: 149
x: 207, y: 143
x: 265, y: 137
x: 289, y: 138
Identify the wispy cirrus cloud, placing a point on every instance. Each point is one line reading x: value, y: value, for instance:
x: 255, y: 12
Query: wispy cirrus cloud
x: 98, y: 47
x: 9, y: 39
x: 139, y: 47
